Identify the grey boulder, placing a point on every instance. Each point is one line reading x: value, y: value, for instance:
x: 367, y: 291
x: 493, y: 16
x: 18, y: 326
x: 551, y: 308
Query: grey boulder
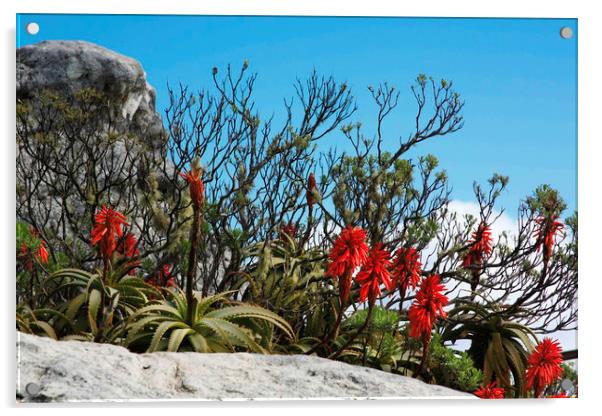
x: 60, y: 371
x: 69, y: 66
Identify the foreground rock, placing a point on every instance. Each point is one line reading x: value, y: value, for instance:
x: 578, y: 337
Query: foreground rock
x: 78, y: 371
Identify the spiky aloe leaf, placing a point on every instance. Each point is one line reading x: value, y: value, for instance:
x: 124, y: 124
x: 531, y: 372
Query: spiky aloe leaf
x: 94, y: 299
x: 524, y: 334
x: 44, y: 326
x: 137, y: 326
x: 204, y: 304
x: 158, y: 308
x: 75, y: 274
x: 245, y: 311
x: 232, y: 334
x: 497, y: 361
x: 198, y: 342
x: 84, y: 337
x: 176, y: 338
x: 517, y: 360
x: 74, y: 305
x: 160, y: 332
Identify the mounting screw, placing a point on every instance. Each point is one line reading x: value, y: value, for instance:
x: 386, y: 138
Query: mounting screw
x: 566, y: 32
x: 567, y: 385
x: 32, y: 28
x: 33, y: 389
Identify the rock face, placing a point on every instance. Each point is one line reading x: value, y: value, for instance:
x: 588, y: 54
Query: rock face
x: 51, y: 370
x: 70, y: 66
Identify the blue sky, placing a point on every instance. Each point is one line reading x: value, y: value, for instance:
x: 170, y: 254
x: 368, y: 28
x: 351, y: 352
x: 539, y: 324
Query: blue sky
x: 517, y: 76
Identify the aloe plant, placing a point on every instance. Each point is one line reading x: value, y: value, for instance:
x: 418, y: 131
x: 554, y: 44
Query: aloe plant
x: 290, y: 281
x: 37, y: 322
x: 87, y: 306
x: 215, y: 325
x: 499, y: 347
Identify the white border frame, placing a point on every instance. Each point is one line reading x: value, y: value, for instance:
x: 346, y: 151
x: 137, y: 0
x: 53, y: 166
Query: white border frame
x: 590, y: 69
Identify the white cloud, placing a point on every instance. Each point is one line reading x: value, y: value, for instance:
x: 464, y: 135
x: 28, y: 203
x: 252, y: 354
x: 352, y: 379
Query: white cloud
x: 503, y: 223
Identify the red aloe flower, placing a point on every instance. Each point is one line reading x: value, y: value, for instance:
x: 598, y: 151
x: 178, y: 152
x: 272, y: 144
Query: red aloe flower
x: 196, y: 186
x: 311, y: 187
x: 545, y: 232
x: 166, y: 277
x: 406, y: 268
x: 375, y: 272
x: 128, y: 246
x: 25, y: 257
x: 347, y: 254
x: 107, y: 225
x: 171, y: 282
x: 427, y: 306
x: 289, y: 229
x: 490, y: 391
x: 561, y: 395
x: 544, y: 365
x: 481, y: 246
x: 163, y: 278
x: 42, y: 253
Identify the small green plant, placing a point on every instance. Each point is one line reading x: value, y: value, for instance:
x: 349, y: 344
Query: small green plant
x: 568, y: 373
x: 87, y: 305
x: 379, y: 345
x: 90, y: 307
x: 211, y: 326
x: 32, y: 258
x: 452, y: 368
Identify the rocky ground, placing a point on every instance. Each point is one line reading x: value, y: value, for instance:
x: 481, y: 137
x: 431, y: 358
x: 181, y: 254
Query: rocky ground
x: 59, y: 371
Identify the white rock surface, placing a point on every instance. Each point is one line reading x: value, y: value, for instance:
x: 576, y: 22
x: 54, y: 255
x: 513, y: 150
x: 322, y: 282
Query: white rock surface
x: 81, y: 371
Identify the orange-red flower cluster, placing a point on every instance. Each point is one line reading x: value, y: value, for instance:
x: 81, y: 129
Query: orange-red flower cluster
x: 481, y: 246
x: 196, y: 186
x: 128, y: 247
x: 406, y: 268
x: 108, y: 224
x: 490, y: 391
x: 349, y: 252
x: 544, y: 365
x: 545, y: 233
x: 42, y: 252
x: 289, y: 229
x: 163, y: 278
x: 375, y: 272
x: 427, y: 306
x: 27, y: 256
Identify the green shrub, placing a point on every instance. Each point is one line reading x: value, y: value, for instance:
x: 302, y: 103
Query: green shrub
x: 380, y: 344
x: 452, y: 368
